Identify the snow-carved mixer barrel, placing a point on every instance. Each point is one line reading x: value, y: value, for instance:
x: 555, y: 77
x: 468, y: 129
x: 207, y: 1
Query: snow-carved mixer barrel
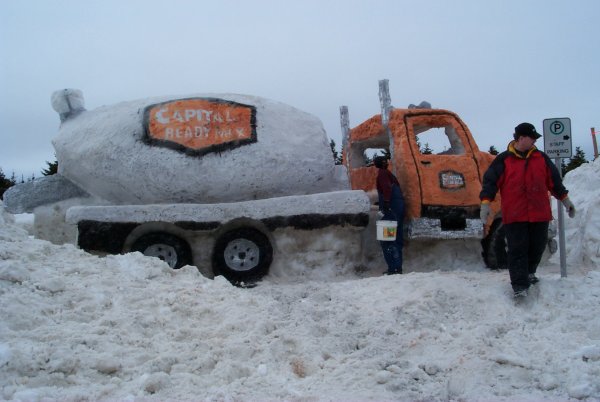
x: 199, y: 149
x: 233, y: 184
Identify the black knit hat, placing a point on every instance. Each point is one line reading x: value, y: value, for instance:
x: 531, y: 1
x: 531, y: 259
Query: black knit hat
x: 379, y: 160
x: 526, y: 130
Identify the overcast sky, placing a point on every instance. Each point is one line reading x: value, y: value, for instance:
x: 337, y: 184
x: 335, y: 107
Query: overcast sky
x: 495, y: 63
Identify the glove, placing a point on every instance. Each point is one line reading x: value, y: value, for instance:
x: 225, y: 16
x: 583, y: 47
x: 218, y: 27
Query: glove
x: 569, y: 207
x: 484, y: 212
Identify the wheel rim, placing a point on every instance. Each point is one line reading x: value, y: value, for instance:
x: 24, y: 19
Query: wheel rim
x: 242, y: 255
x: 164, y: 252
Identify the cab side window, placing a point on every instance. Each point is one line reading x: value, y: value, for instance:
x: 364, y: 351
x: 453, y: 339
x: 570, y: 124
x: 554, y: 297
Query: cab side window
x: 439, y: 140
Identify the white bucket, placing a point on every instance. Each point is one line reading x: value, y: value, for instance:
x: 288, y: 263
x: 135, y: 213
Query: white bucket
x: 386, y: 230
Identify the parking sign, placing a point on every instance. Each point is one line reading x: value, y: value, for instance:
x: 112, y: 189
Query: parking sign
x: 557, y: 138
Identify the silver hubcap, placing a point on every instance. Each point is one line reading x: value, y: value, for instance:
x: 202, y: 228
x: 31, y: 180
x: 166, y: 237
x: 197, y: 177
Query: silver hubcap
x: 241, y: 255
x: 164, y: 252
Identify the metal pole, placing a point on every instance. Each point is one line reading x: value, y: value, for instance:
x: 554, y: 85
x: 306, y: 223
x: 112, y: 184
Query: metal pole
x: 345, y: 124
x: 386, y: 102
x: 386, y: 108
x: 561, y: 229
x: 594, y: 142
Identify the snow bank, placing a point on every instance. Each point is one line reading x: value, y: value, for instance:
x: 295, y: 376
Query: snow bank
x: 583, y: 231
x: 5, y: 217
x: 80, y: 327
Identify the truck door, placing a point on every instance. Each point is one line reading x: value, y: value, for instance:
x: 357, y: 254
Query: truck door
x: 446, y: 166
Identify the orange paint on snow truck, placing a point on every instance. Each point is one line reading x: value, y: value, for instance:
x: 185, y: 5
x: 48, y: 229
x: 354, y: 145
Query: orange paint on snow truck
x: 441, y: 186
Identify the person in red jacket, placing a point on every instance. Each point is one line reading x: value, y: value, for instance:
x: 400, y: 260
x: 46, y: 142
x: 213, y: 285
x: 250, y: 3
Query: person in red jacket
x: 391, y: 204
x: 524, y: 175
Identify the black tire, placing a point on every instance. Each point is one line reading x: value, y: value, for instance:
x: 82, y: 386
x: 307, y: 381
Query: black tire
x: 494, y: 247
x: 169, y: 248
x: 242, y: 255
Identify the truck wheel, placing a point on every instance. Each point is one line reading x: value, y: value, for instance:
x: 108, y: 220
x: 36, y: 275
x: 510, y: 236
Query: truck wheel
x: 169, y: 248
x: 242, y: 255
x: 494, y: 247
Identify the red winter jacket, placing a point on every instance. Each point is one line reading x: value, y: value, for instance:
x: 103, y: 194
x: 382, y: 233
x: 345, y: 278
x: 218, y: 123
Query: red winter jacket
x: 385, y: 181
x: 524, y: 183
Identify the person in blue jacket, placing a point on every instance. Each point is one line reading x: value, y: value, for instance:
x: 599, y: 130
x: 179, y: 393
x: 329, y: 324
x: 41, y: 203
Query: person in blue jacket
x: 391, y: 204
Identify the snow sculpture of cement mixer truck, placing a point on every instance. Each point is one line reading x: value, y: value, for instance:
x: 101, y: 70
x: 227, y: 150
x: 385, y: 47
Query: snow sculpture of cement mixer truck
x: 241, y: 186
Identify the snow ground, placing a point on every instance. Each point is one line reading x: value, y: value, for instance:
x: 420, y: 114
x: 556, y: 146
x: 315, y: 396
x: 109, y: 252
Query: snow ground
x: 80, y: 327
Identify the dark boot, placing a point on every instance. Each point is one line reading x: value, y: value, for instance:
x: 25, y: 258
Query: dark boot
x: 519, y: 293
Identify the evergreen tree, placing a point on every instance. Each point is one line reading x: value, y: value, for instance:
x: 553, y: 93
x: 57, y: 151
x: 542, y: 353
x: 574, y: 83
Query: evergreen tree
x: 52, y: 167
x: 32, y: 178
x: 419, y: 144
x: 575, y: 161
x: 337, y: 157
x: 426, y: 150
x: 5, y: 183
x: 493, y: 150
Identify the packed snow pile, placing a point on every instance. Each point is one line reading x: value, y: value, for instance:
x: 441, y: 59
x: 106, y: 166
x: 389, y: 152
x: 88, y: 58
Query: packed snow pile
x: 583, y: 231
x: 80, y: 327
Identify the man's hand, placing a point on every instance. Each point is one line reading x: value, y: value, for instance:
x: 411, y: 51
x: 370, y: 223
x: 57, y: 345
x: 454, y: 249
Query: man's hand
x: 484, y: 212
x: 569, y: 207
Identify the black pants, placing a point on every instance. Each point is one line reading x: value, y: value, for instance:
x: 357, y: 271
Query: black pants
x: 392, y: 250
x: 526, y: 242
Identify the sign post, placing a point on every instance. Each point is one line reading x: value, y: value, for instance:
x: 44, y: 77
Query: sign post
x: 558, y: 144
x: 594, y: 143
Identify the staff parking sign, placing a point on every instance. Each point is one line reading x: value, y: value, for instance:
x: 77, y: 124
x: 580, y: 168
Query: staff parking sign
x: 557, y: 138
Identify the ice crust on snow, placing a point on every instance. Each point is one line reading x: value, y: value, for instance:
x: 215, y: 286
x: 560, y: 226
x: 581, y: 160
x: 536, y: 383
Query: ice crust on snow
x: 76, y: 326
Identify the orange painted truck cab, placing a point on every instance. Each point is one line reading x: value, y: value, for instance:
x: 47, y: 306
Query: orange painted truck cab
x: 441, y: 186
